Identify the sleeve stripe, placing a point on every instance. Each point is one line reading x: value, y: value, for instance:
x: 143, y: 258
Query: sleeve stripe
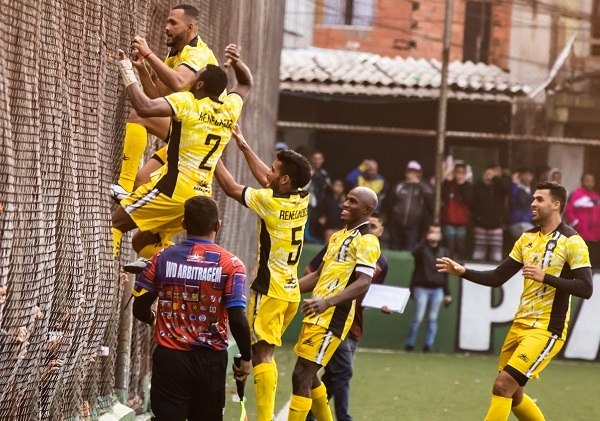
x: 244, y: 197
x: 366, y: 270
x: 189, y: 66
x: 170, y: 105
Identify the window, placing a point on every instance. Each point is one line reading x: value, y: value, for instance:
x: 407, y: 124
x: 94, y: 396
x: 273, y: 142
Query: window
x: 348, y: 12
x: 478, y: 23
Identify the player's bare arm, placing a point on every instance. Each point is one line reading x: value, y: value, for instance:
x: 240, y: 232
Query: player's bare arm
x: 307, y: 282
x: 243, y: 75
x: 174, y: 79
x: 259, y: 169
x: 227, y: 182
x: 144, y: 106
x: 351, y: 292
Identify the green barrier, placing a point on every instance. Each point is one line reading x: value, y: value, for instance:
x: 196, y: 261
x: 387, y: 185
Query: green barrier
x: 389, y: 331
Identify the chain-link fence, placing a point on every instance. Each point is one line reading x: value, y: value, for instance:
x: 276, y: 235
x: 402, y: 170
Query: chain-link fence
x: 62, y: 115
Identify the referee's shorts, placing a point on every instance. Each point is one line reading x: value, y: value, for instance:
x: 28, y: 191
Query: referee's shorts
x: 188, y: 384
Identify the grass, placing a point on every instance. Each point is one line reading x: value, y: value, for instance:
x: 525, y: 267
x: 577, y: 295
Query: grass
x: 434, y: 387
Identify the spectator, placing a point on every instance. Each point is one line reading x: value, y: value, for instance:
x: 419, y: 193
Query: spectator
x: 318, y: 187
x: 520, y: 203
x: 367, y: 175
x: 457, y: 197
x: 489, y: 199
x: 330, y: 209
x: 554, y: 174
x: 583, y: 213
x: 428, y: 287
x: 409, y: 208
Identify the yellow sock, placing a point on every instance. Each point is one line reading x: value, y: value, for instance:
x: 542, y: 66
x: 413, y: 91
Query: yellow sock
x: 117, y: 237
x: 134, y: 146
x: 299, y: 407
x: 320, y: 405
x: 265, y: 387
x: 528, y: 410
x: 499, y: 409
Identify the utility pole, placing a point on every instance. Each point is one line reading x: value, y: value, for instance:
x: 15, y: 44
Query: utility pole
x: 442, y: 112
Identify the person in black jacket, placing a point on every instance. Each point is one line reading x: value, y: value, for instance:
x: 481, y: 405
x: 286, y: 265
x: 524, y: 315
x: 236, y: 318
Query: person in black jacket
x: 428, y: 287
x: 489, y: 210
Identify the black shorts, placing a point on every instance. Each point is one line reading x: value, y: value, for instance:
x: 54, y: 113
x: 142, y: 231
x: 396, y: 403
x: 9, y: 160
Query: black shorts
x: 188, y: 384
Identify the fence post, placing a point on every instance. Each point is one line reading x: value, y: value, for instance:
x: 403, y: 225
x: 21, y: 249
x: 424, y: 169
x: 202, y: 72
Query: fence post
x: 123, y: 363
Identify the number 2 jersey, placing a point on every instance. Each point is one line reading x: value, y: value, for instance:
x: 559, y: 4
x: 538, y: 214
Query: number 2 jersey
x: 349, y: 251
x: 200, y: 130
x: 282, y: 218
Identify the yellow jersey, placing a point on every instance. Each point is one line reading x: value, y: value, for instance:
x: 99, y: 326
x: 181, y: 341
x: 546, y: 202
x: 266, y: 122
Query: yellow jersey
x: 194, y: 55
x: 281, y: 222
x: 200, y: 130
x: 557, y: 253
x: 348, y: 252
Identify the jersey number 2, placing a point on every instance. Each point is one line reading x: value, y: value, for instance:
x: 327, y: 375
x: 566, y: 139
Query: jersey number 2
x: 292, y: 260
x: 209, y: 138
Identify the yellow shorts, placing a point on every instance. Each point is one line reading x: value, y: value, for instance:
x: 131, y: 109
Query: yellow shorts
x: 527, y: 351
x: 316, y: 344
x: 269, y: 317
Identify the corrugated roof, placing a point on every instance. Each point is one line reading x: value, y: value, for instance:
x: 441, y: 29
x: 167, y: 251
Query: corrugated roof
x: 339, y: 72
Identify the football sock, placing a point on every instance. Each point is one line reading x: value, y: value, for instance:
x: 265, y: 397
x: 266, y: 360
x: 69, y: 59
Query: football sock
x: 117, y: 237
x: 528, y: 410
x: 299, y: 407
x: 320, y: 405
x: 134, y: 146
x: 499, y: 409
x: 265, y: 387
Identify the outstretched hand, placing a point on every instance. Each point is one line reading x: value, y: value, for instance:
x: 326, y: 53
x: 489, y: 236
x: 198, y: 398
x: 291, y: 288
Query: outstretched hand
x: 449, y: 266
x: 240, y: 140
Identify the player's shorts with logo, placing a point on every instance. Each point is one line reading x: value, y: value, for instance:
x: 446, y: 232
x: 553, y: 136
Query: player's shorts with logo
x: 269, y: 317
x: 316, y: 344
x: 527, y: 351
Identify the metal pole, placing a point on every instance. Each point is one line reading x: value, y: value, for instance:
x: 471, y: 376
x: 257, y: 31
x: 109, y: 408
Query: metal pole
x: 123, y: 361
x: 442, y: 112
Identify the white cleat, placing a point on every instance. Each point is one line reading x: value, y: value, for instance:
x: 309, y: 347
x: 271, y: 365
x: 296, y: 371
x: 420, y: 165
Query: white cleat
x: 137, y: 266
x: 117, y: 192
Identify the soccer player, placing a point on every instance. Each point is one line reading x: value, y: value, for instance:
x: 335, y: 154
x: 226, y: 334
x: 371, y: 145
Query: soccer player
x: 200, y: 129
x: 346, y: 272
x: 201, y: 289
x: 555, y: 264
x: 281, y: 206
x: 188, y: 54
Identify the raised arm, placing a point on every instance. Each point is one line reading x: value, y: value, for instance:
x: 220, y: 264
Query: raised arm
x: 174, y: 79
x: 144, y: 106
x: 228, y: 183
x: 243, y: 75
x: 490, y: 278
x: 259, y: 169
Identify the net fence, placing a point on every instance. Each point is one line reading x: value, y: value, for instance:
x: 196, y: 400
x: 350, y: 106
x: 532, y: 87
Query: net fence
x: 62, y: 116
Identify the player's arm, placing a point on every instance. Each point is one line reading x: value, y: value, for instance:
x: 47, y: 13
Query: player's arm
x: 580, y: 285
x: 174, y: 79
x: 259, y: 169
x: 144, y: 106
x: 308, y: 282
x: 490, y: 278
x: 352, y: 291
x: 243, y: 75
x: 142, y: 308
x: 228, y: 183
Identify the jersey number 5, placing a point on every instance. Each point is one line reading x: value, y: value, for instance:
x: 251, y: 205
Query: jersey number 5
x: 209, y: 138
x: 292, y: 260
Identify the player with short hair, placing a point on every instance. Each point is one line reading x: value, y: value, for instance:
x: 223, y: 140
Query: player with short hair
x: 201, y: 290
x: 555, y: 264
x: 200, y: 129
x: 281, y: 206
x: 187, y: 55
x: 346, y: 273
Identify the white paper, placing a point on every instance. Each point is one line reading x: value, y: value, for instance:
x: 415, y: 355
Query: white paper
x: 395, y: 298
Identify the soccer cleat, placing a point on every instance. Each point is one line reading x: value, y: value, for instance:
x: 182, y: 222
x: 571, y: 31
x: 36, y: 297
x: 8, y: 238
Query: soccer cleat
x: 137, y: 266
x: 118, y: 193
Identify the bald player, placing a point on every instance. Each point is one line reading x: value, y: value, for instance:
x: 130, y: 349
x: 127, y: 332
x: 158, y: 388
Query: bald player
x: 346, y: 272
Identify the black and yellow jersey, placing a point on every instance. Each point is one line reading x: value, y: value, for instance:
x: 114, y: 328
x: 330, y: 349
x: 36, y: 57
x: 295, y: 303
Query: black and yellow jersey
x: 195, y: 55
x: 200, y: 130
x: 348, y: 252
x: 557, y: 253
x: 281, y: 222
